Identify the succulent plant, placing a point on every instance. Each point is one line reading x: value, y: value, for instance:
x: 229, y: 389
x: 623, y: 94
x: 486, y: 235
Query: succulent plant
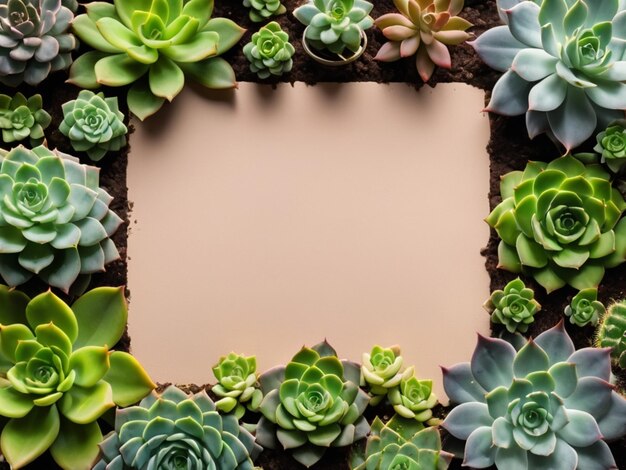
x: 611, y: 332
x: 585, y: 308
x: 542, y: 406
x: 514, y: 307
x: 173, y: 430
x: 21, y: 118
x: 55, y: 220
x: 59, y: 376
x: 237, y: 384
x: 380, y: 370
x: 402, y: 444
x: 312, y: 404
x: 612, y: 145
x: 560, y: 222
x: 564, y: 66
x: 423, y: 28
x: 34, y: 40
x: 413, y: 398
x: 335, y: 24
x: 261, y: 10
x: 94, y: 124
x: 153, y: 45
x: 269, y: 51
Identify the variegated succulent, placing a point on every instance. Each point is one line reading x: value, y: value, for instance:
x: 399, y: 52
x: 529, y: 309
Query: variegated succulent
x: 585, y: 309
x: 261, y: 10
x: 611, y: 332
x: 237, y: 384
x: 380, y: 371
x: 22, y: 118
x: 514, y: 307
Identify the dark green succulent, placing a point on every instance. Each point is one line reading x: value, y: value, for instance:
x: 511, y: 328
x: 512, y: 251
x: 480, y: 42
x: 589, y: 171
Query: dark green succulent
x: 22, y: 118
x: 237, y: 384
x: 514, y: 307
x: 585, y: 308
x: 612, y: 145
x: 611, y: 332
x: 269, y: 51
x: 261, y: 10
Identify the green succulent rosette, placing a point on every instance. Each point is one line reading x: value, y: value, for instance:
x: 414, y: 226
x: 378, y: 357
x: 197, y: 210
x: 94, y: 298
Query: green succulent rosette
x: 514, y: 307
x: 58, y: 375
x: 94, y: 124
x: 560, y: 223
x: 380, y: 371
x: 585, y: 309
x: 414, y: 398
x: 269, y: 51
x: 261, y: 10
x: 611, y: 333
x: 237, y: 384
x: 22, y: 118
x: 153, y: 45
x: 612, y: 145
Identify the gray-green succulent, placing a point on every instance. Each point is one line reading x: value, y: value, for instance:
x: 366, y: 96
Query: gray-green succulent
x: 237, y: 384
x: 514, y: 307
x: 611, y: 145
x: 413, y: 398
x: 22, y: 118
x: 261, y: 10
x: 585, y: 309
x: 380, y: 371
x: 269, y: 51
x: 611, y: 332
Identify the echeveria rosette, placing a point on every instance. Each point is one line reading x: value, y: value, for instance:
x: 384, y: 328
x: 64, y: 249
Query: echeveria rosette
x: 22, y: 118
x: 514, y: 307
x: 94, y: 124
x: 312, y: 404
x: 611, y: 145
x: 564, y: 66
x: 413, y: 398
x: 380, y: 371
x: 59, y: 376
x: 611, y: 332
x: 55, y: 220
x: 237, y: 384
x: 585, y: 309
x: 261, y: 10
x: 423, y: 28
x: 173, y: 430
x: 545, y: 405
x: 269, y: 51
x: 153, y: 45
x: 335, y: 24
x: 560, y: 223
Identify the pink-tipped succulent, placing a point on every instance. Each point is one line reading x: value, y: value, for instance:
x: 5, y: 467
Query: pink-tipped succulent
x: 423, y: 28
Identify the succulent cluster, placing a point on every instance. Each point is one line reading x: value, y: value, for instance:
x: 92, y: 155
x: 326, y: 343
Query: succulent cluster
x: 612, y: 332
x: 560, y: 222
x: 544, y: 406
x: 59, y: 375
x: 261, y: 10
x: 380, y: 371
x: 611, y: 145
x: 413, y: 398
x: 423, y: 28
x: 585, y: 309
x: 514, y: 307
x: 173, y: 430
x: 237, y: 384
x: 269, y: 51
x: 22, y: 118
x: 55, y: 220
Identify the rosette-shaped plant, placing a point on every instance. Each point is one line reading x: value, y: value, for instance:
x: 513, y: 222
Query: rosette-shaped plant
x: 564, y: 66
x: 544, y: 406
x: 612, y: 332
x: 585, y: 309
x: 423, y: 28
x: 55, y: 220
x: 612, y: 145
x: 560, y: 222
x: 153, y: 45
x: 312, y: 404
x: 514, y: 307
x: 21, y: 118
x: 403, y: 444
x: 94, y: 124
x: 59, y: 375
x: 269, y: 51
x: 173, y: 430
x: 237, y: 384
x: 34, y: 40
x: 414, y: 398
x: 380, y: 370
x: 335, y: 24
x: 261, y: 10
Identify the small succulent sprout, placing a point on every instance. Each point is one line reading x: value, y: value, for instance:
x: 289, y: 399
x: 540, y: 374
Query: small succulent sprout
x: 424, y: 29
x: 269, y: 51
x: 380, y: 371
x: 612, y: 145
x: 514, y: 307
x: 413, y: 398
x: 585, y: 309
x: 22, y: 118
x: 560, y: 223
x: 545, y: 405
x: 94, y: 124
x: 237, y: 384
x: 173, y: 430
x: 59, y: 375
x: 611, y: 332
x: 261, y: 10
x: 335, y: 24
x: 312, y: 404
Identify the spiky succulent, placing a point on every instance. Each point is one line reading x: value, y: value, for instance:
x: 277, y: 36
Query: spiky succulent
x: 261, y: 10
x: 335, y: 24
x: 423, y: 28
x: 22, y: 118
x: 153, y: 45
x: 413, y: 398
x: 34, y: 40
x: 269, y: 51
x: 612, y: 145
x: 560, y: 222
x: 611, y: 332
x: 514, y: 307
x: 59, y: 376
x: 585, y: 309
x: 402, y: 444
x: 380, y: 370
x: 312, y: 404
x: 542, y: 406
x: 564, y: 66
x: 237, y: 384
x: 173, y: 430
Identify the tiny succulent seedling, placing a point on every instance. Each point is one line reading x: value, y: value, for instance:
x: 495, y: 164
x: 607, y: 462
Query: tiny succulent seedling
x: 611, y: 145
x: 22, y: 118
x: 611, y: 332
x: 585, y: 309
x: 413, y: 398
x: 380, y: 371
x: 261, y: 10
x: 237, y: 384
x: 514, y: 307
x: 269, y: 51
